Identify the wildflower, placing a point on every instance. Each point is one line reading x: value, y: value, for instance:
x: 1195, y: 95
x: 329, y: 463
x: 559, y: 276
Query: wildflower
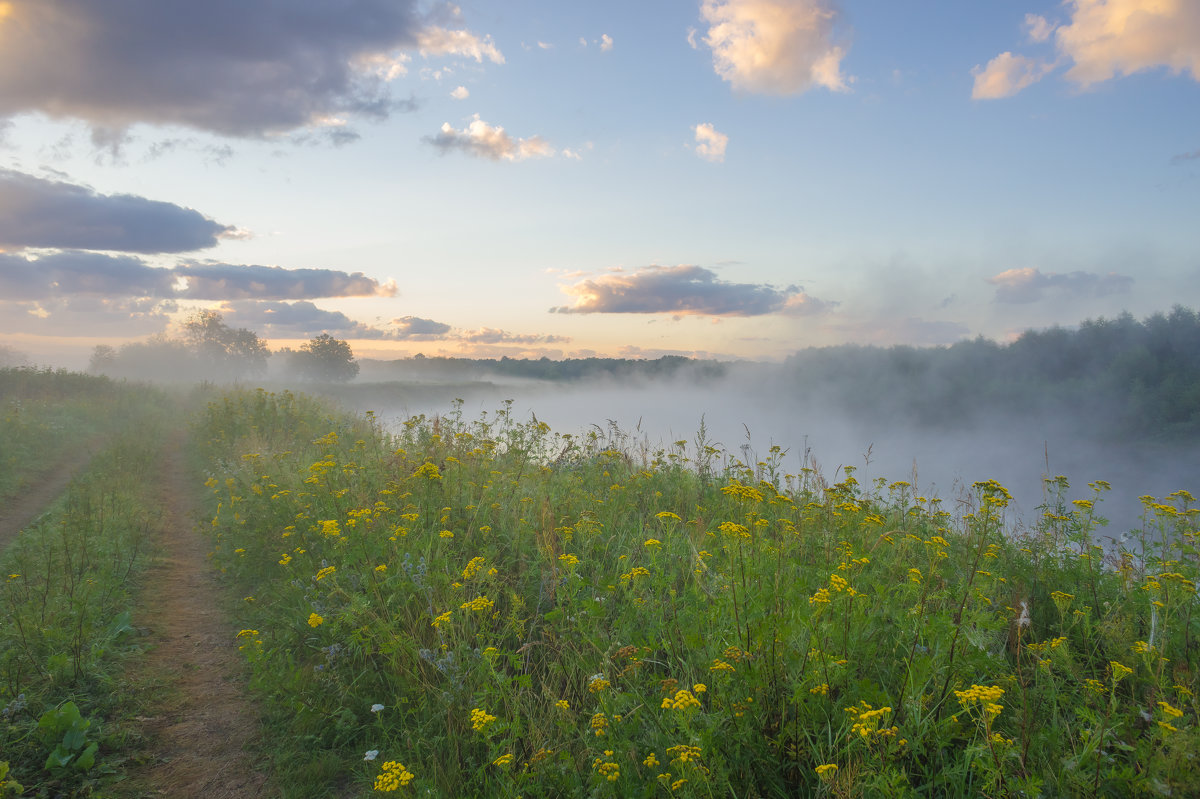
x: 607, y: 769
x: 479, y: 603
x: 285, y: 560
x: 329, y: 527
x: 821, y: 690
x: 720, y: 665
x: 562, y: 704
x: 826, y: 771
x: 429, y: 471
x: 598, y: 683
x: 653, y: 543
x: 1119, y: 671
x: 314, y: 620
x: 247, y: 634
x: 481, y: 719
x: 683, y: 700
x: 650, y: 761
x: 503, y: 760
x: 382, y: 567
x: 393, y: 776
x: 1173, y: 712
x: 376, y: 708
x: 323, y: 573
x: 599, y: 724
x: 568, y: 560
x: 473, y: 567
x: 699, y: 688
x: 666, y: 514
x: 446, y: 534
x: 371, y: 755
x: 442, y: 619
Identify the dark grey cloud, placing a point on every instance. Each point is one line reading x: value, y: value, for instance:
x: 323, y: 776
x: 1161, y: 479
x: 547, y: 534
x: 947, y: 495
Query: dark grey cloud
x: 74, y: 273
x: 217, y: 281
x: 235, y: 67
x: 80, y: 274
x: 1027, y: 284
x: 414, y: 328
x: 304, y: 319
x: 683, y: 290
x: 35, y: 212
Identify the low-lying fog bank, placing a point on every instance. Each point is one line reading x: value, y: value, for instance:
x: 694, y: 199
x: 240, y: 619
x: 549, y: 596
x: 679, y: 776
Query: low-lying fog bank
x: 758, y: 407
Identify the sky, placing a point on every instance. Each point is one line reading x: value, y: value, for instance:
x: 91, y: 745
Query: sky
x: 733, y: 179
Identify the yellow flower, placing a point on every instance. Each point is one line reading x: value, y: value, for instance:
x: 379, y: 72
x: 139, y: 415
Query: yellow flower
x: 442, y: 619
x: 393, y: 776
x: 481, y: 719
x: 503, y: 760
x: 826, y: 771
x: 598, y: 684
x: 480, y: 603
x: 446, y: 534
x: 650, y: 761
x: 653, y: 543
x: 323, y: 573
x: 473, y: 567
x: 382, y: 567
x: 562, y: 704
x: 314, y: 620
x: 666, y: 514
x: 1119, y: 671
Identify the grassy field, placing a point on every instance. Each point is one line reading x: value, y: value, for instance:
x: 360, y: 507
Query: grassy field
x: 484, y: 607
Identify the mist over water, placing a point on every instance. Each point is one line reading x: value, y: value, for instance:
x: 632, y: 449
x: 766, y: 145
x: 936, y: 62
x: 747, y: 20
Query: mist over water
x: 750, y: 410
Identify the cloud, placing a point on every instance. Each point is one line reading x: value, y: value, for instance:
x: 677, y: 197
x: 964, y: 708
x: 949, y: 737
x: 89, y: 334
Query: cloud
x: 443, y: 41
x: 1028, y: 284
x: 87, y: 316
x: 35, y: 212
x: 1108, y: 38
x: 680, y: 290
x: 1185, y: 157
x: 710, y: 145
x: 487, y: 335
x: 1038, y: 28
x: 73, y: 273
x: 1102, y: 40
x: 774, y: 46
x: 1005, y: 75
x: 217, y: 281
x: 414, y: 328
x: 69, y: 274
x: 245, y: 69
x: 606, y: 43
x: 460, y: 93
x: 485, y: 141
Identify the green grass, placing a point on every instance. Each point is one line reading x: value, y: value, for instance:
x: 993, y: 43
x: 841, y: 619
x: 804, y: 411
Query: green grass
x: 67, y: 590
x: 506, y: 611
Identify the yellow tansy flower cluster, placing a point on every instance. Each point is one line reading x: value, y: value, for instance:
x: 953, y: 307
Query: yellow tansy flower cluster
x: 393, y: 776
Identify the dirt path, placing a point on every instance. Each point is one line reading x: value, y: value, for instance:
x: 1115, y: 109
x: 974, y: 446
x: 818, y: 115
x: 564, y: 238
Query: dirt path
x: 17, y: 513
x: 198, y: 732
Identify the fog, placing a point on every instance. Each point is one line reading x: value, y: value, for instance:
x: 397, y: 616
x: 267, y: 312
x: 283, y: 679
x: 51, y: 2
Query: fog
x: 755, y: 407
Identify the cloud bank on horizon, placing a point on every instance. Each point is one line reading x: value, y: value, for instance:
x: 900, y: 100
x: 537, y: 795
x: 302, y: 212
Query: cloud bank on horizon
x: 763, y: 147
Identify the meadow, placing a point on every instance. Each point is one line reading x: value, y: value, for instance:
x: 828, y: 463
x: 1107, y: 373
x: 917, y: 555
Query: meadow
x: 485, y: 607
x: 482, y: 606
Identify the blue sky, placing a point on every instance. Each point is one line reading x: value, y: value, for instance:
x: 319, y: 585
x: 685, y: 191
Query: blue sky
x: 725, y: 178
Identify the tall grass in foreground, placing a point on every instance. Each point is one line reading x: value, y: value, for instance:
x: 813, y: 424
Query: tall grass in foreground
x: 485, y: 608
x: 67, y: 588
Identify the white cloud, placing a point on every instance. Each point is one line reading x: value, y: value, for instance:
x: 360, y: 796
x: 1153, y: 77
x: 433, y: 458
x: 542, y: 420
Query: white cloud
x: 486, y: 141
x: 606, y: 43
x: 774, y: 46
x: 1102, y: 40
x: 1005, y: 75
x: 461, y: 93
x: 691, y: 39
x: 583, y: 41
x: 1107, y: 38
x: 443, y: 41
x: 545, y: 45
x: 1038, y: 28
x: 710, y: 144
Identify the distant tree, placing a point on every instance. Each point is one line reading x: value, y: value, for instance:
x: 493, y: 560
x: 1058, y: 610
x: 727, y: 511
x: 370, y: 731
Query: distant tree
x: 103, y: 359
x: 222, y: 350
x: 326, y: 358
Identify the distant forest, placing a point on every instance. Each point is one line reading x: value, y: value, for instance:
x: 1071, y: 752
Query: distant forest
x: 1119, y: 378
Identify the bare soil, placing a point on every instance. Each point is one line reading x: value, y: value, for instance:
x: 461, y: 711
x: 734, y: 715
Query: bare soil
x: 198, y: 731
x: 20, y: 511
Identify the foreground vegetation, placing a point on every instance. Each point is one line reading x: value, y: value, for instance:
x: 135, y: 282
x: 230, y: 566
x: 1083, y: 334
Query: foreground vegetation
x: 486, y: 608
x: 483, y: 607
x: 68, y: 587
